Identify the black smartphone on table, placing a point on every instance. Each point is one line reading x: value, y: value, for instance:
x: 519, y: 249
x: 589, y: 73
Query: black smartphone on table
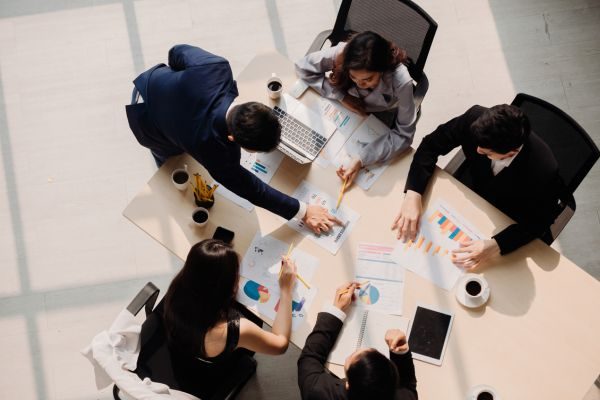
x: 223, y: 234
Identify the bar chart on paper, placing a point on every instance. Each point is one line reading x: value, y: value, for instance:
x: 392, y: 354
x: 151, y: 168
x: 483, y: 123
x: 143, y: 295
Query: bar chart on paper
x: 441, y: 230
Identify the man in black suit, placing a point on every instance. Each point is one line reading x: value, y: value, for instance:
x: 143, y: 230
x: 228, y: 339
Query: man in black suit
x: 506, y: 164
x: 188, y: 107
x: 370, y: 375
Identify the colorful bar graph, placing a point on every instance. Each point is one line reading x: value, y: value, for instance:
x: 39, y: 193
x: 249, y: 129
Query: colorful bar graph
x: 448, y: 227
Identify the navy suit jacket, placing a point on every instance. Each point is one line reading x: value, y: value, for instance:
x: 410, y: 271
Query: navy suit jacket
x: 317, y: 383
x: 527, y: 190
x: 184, y: 110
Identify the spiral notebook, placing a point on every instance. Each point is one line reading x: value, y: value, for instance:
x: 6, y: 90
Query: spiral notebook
x: 362, y: 329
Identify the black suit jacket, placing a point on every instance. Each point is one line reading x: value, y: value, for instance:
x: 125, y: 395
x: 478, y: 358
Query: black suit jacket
x: 184, y: 111
x: 527, y: 190
x: 317, y: 383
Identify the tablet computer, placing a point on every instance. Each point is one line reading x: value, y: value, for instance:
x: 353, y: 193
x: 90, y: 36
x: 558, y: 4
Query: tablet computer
x: 429, y: 333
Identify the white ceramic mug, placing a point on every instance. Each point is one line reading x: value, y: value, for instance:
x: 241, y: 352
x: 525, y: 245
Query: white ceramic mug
x: 200, y: 216
x: 274, y: 86
x: 482, y: 392
x: 474, y: 286
x: 177, y: 178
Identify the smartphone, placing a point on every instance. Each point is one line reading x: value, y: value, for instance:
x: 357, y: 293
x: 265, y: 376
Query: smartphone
x: 223, y: 234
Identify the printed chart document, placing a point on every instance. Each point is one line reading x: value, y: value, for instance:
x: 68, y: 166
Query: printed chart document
x: 333, y: 239
x: 384, y: 287
x: 259, y: 288
x: 345, y: 122
x: 364, y: 328
x: 441, y: 230
x: 263, y: 165
x: 370, y: 130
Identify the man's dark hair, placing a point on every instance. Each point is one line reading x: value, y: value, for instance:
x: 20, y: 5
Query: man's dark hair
x: 254, y: 126
x: 502, y: 128
x: 372, y: 376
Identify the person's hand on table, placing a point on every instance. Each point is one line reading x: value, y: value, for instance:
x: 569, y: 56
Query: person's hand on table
x: 407, y: 220
x: 472, y: 253
x: 396, y: 341
x: 319, y: 220
x: 287, y: 275
x: 354, y: 104
x: 344, y: 295
x: 350, y: 171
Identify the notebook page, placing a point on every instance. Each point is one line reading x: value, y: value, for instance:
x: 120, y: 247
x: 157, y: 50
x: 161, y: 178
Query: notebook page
x: 348, y: 337
x: 375, y: 327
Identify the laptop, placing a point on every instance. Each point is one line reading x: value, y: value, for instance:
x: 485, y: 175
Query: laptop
x: 304, y: 132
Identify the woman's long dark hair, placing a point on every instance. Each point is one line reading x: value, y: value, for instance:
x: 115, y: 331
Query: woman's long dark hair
x: 369, y: 51
x: 201, y: 294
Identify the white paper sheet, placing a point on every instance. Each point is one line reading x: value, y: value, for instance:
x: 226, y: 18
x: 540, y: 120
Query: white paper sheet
x: 367, y: 132
x: 263, y: 165
x: 345, y: 122
x: 332, y: 240
x: 441, y: 230
x: 262, y: 262
x: 384, y: 290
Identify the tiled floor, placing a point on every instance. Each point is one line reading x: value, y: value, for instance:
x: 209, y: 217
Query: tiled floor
x: 68, y: 259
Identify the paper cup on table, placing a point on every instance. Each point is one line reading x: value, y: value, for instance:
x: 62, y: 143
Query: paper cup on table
x: 274, y: 86
x: 200, y: 216
x: 180, y: 178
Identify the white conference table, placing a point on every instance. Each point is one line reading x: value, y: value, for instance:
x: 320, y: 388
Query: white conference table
x: 537, y: 337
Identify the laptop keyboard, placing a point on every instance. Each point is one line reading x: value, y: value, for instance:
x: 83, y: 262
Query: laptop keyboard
x: 299, y: 134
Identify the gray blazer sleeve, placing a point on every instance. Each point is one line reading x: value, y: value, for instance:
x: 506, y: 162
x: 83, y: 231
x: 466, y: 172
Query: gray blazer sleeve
x: 402, y: 132
x: 312, y: 68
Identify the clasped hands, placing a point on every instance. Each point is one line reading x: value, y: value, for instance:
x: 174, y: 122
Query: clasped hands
x: 470, y: 255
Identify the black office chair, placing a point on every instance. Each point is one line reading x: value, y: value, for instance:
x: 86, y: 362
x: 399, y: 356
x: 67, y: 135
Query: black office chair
x: 157, y: 362
x: 575, y: 152
x: 399, y: 21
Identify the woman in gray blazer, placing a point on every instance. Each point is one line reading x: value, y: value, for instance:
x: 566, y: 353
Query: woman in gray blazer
x: 366, y: 74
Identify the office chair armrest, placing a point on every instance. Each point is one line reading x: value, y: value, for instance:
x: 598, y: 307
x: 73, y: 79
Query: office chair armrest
x: 319, y: 41
x: 454, y: 164
x: 568, y: 210
x: 420, y: 90
x: 145, y: 298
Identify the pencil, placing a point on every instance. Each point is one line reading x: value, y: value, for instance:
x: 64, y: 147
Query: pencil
x: 286, y: 256
x: 302, y: 280
x: 341, y: 194
x: 359, y: 285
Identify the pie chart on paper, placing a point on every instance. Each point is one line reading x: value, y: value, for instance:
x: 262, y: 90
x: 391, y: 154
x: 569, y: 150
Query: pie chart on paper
x: 257, y: 292
x: 369, y: 294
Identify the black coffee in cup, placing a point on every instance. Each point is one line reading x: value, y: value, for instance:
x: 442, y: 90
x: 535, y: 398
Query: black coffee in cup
x: 274, y: 86
x: 473, y: 288
x: 485, y: 395
x: 200, y: 216
x: 180, y: 177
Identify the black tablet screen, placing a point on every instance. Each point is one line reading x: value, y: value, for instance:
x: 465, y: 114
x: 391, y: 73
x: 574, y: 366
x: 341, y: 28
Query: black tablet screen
x: 428, y: 332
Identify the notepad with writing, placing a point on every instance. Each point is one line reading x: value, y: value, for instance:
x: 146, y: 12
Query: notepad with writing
x: 363, y: 329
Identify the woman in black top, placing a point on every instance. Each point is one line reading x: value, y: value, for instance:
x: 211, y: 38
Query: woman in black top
x: 202, y: 318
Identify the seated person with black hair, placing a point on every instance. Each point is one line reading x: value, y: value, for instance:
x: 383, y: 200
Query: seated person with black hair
x: 207, y: 330
x: 506, y: 164
x: 370, y: 374
x: 188, y: 107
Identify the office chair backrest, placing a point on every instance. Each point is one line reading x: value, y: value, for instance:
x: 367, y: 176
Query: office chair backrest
x: 400, y: 21
x: 573, y: 148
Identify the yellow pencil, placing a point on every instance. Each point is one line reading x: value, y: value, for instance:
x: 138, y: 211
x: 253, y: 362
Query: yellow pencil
x: 359, y: 285
x: 339, y: 200
x: 287, y: 255
x: 302, y: 280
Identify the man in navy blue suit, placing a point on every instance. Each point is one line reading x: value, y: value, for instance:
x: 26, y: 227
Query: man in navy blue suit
x: 189, y: 108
